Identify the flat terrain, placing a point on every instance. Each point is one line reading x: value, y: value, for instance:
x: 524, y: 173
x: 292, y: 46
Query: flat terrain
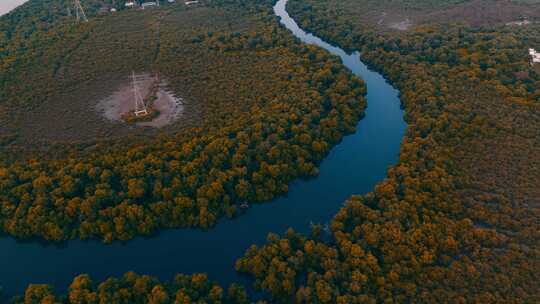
x: 122, y: 102
x: 56, y: 102
x: 258, y: 110
x: 403, y: 14
x: 456, y: 220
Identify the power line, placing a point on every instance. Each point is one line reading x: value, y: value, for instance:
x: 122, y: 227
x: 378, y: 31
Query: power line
x: 79, y: 11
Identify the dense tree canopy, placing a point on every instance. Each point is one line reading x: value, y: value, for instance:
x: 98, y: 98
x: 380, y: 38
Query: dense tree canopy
x: 264, y: 109
x: 133, y: 288
x: 456, y: 218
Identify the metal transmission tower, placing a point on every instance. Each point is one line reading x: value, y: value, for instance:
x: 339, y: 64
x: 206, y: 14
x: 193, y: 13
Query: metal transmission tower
x: 140, y: 107
x: 79, y: 11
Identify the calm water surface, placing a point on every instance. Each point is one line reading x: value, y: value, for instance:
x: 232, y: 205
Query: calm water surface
x: 353, y: 167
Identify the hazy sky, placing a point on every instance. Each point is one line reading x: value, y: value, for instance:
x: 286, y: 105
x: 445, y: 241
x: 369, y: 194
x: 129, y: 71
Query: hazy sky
x: 7, y: 5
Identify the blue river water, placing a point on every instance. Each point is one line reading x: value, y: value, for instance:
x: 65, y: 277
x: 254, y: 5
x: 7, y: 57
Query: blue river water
x: 353, y: 167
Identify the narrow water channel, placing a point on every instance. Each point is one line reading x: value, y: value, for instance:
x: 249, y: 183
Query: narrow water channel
x: 352, y: 167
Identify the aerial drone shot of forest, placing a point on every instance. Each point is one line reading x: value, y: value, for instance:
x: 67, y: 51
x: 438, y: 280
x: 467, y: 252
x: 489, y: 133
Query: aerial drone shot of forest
x: 127, y: 122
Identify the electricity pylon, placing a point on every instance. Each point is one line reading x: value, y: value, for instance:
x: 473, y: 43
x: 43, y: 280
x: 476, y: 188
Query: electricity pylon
x: 140, y: 107
x: 79, y: 11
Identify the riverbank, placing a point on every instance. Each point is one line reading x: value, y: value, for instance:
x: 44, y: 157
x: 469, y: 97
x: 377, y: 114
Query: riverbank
x: 354, y: 166
x: 455, y: 219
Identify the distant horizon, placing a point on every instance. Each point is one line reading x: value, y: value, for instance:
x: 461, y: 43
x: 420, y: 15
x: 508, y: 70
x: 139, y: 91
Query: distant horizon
x: 7, y: 5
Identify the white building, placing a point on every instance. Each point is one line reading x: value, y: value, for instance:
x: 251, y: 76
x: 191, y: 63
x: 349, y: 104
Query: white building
x: 191, y: 2
x: 519, y: 23
x: 535, y: 56
x: 149, y: 4
x: 130, y: 4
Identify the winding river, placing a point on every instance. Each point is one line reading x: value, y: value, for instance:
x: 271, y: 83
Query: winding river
x: 352, y: 167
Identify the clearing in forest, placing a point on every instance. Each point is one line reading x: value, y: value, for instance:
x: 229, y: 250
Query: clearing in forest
x: 163, y: 107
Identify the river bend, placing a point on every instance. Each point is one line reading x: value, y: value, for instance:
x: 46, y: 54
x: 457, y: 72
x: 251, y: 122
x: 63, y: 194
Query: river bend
x: 353, y: 167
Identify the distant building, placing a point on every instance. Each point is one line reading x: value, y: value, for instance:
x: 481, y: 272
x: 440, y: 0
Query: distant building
x: 149, y: 4
x: 130, y: 4
x: 104, y: 9
x: 191, y: 2
x: 520, y: 23
x: 535, y: 56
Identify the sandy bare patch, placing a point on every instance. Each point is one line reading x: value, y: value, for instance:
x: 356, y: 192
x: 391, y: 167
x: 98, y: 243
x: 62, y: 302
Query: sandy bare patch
x: 122, y: 102
x: 169, y: 107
